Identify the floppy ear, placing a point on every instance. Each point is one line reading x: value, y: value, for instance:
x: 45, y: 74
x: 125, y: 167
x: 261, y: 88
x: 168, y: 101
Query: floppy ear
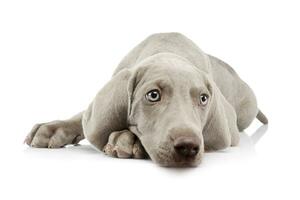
x: 220, y: 130
x: 109, y: 110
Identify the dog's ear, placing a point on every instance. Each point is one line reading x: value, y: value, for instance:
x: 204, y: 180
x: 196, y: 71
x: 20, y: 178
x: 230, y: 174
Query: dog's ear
x: 109, y: 110
x: 220, y: 130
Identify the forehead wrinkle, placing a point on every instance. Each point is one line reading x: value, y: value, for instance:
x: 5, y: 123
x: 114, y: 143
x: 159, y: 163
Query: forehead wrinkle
x: 163, y: 75
x: 159, y: 74
x: 160, y: 83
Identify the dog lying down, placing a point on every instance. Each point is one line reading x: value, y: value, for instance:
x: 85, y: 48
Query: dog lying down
x: 167, y: 100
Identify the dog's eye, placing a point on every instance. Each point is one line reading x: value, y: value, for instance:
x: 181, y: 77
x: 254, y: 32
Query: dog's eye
x: 153, y: 96
x: 203, y: 99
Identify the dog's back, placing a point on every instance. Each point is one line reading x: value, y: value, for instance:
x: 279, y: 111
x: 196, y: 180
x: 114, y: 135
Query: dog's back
x: 175, y: 43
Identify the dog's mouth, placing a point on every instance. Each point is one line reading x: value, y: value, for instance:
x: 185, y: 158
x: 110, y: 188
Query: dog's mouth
x: 187, y: 162
x: 168, y: 158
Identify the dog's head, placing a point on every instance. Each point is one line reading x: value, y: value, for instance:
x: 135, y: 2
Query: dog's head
x: 175, y: 109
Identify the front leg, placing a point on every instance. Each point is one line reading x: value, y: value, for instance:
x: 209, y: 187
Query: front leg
x: 124, y: 144
x: 56, y: 134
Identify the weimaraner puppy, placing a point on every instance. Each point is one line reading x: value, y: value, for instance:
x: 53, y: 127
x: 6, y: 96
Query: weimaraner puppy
x: 167, y: 100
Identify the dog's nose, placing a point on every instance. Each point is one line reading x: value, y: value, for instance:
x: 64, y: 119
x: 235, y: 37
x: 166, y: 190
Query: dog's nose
x: 186, y: 146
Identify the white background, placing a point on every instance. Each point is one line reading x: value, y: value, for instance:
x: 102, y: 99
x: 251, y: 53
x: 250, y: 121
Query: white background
x: 55, y: 55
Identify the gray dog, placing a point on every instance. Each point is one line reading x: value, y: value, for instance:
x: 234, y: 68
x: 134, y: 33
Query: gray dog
x: 167, y: 100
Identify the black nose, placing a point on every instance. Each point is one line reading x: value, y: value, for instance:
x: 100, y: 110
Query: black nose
x: 186, y: 146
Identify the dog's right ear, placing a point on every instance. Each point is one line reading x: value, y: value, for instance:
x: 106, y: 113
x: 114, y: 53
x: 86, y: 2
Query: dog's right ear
x: 220, y: 130
x: 109, y: 110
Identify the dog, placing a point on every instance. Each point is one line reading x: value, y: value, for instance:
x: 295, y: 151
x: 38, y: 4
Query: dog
x: 167, y: 101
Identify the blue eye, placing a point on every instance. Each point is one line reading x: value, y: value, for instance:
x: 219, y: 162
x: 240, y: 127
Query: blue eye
x: 153, y: 96
x: 203, y: 99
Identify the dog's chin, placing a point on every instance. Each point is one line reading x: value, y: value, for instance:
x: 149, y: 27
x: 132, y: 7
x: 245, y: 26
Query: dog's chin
x: 175, y: 162
x: 180, y: 164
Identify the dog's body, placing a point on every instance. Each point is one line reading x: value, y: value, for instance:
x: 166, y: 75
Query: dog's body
x: 168, y: 123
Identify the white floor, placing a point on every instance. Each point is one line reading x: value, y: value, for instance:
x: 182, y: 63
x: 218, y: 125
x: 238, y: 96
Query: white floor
x: 249, y: 171
x: 55, y: 56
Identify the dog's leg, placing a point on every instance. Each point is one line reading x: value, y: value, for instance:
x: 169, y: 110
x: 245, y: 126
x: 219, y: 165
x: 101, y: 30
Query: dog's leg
x: 124, y: 144
x: 56, y: 134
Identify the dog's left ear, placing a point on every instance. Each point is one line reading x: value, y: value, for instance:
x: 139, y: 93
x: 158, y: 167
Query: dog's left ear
x: 109, y: 110
x: 220, y: 130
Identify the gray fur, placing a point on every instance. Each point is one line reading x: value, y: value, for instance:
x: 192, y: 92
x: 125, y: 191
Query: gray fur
x: 122, y: 123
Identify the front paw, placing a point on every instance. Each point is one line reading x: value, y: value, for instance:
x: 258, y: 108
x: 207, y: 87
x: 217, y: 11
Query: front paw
x: 124, y: 144
x: 54, y: 134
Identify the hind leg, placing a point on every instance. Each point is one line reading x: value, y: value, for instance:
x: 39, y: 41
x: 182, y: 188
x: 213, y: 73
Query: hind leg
x: 247, y: 110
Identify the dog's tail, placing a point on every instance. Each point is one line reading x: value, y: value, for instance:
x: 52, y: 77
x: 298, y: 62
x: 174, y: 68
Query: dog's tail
x: 262, y: 118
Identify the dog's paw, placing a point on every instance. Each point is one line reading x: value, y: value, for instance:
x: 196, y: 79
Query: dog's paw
x: 54, y: 134
x: 124, y: 144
